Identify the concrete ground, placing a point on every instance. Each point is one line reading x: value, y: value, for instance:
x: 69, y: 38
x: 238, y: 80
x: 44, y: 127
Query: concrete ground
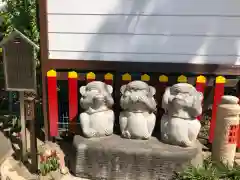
x: 5, y: 147
x: 12, y: 169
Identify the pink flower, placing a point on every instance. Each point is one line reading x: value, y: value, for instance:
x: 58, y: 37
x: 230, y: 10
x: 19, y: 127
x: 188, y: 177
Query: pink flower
x: 48, y: 153
x: 42, y: 158
x: 54, y: 153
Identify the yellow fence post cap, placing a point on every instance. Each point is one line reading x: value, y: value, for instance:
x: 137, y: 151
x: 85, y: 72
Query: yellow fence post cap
x: 201, y: 79
x: 220, y: 79
x: 126, y: 77
x: 91, y: 75
x: 108, y: 76
x: 51, y: 73
x: 182, y: 79
x: 72, y: 74
x: 163, y: 78
x: 145, y: 77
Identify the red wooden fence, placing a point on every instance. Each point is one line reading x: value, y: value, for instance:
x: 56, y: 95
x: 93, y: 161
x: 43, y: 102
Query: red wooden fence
x: 108, y: 78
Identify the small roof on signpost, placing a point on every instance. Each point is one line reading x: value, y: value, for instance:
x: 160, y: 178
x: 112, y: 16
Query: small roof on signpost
x: 14, y: 34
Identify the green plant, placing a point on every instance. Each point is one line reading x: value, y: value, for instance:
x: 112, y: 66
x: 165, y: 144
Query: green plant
x: 228, y: 173
x: 206, y: 172
x: 22, y: 15
x: 209, y: 171
x: 49, y: 161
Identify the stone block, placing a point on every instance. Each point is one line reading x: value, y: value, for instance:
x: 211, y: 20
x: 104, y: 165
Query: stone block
x: 116, y: 158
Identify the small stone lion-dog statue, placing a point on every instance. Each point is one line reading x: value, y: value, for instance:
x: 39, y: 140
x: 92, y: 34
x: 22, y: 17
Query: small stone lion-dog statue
x: 182, y: 104
x: 97, y: 101
x: 137, y: 120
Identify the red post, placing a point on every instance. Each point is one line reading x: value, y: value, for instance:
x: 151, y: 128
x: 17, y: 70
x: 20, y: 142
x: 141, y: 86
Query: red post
x: 90, y: 77
x: 52, y: 102
x: 218, y: 93
x: 108, y: 78
x: 73, y: 99
x: 200, y: 86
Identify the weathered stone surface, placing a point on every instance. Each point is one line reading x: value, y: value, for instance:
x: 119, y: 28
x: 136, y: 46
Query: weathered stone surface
x: 118, y: 158
x: 182, y: 104
x: 225, y: 133
x: 98, y: 118
x: 227, y: 99
x: 14, y: 170
x: 137, y: 120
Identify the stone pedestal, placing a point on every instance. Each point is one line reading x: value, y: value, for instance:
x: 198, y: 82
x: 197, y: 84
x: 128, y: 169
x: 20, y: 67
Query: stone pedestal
x: 117, y: 158
x: 226, y: 131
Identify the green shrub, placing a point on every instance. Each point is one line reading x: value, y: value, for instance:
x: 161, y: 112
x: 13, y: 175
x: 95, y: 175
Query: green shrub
x: 49, y: 161
x: 21, y: 15
x: 209, y: 171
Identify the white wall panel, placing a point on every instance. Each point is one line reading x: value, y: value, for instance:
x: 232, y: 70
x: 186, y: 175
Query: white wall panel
x: 144, y: 44
x: 194, y: 31
x: 145, y: 24
x: 145, y: 57
x: 146, y: 7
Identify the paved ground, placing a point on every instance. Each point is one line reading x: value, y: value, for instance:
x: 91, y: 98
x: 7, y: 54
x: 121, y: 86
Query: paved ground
x: 6, y: 148
x: 8, y: 172
x: 12, y: 169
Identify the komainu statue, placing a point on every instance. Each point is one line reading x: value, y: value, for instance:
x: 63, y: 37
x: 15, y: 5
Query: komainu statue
x: 137, y: 120
x: 98, y: 118
x: 182, y: 104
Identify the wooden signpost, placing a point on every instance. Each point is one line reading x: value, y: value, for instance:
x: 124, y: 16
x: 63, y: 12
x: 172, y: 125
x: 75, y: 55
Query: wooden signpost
x: 20, y: 76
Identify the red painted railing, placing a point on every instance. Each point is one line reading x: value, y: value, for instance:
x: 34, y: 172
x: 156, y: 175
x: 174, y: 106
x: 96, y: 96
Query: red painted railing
x: 161, y: 84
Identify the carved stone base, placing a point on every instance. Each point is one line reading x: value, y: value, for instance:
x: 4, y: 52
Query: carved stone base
x: 117, y: 158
